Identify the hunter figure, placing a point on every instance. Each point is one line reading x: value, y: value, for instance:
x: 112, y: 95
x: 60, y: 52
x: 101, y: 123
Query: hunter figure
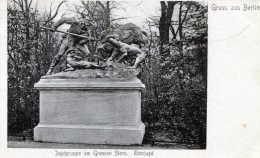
x: 78, y: 26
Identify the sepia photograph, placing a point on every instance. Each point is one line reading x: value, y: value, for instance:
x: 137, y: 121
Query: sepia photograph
x: 107, y: 74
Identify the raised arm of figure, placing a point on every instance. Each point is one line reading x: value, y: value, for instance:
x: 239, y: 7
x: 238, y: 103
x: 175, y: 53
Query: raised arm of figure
x: 64, y: 20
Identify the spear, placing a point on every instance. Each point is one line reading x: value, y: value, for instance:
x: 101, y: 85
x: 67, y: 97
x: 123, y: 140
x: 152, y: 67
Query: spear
x: 69, y: 33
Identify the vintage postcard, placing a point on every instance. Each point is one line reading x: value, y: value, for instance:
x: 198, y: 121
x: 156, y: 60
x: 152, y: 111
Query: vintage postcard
x: 84, y: 78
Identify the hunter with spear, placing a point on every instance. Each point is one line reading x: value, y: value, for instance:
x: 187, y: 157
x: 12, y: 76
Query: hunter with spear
x: 76, y: 38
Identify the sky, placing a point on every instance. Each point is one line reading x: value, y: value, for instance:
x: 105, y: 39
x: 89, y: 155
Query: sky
x: 138, y: 11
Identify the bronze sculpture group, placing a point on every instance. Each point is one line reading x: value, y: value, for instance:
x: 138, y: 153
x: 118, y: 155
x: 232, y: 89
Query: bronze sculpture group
x: 120, y: 43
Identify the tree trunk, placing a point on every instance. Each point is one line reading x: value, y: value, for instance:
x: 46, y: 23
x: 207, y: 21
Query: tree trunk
x: 106, y: 8
x: 180, y: 30
x: 108, y: 14
x: 164, y: 24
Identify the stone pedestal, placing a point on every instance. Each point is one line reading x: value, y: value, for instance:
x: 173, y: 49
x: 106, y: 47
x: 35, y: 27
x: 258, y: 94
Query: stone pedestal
x: 91, y: 111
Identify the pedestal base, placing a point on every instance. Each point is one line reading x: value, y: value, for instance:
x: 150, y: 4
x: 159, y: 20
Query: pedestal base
x: 91, y: 111
x: 114, y: 135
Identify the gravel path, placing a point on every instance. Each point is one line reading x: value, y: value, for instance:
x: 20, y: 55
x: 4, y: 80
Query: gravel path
x: 32, y: 144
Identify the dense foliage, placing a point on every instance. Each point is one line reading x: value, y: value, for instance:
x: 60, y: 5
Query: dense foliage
x: 175, y: 70
x: 29, y: 55
x: 176, y: 80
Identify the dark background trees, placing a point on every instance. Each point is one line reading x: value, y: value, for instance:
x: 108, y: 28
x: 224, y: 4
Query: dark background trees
x: 175, y: 99
x: 30, y: 51
x: 175, y: 70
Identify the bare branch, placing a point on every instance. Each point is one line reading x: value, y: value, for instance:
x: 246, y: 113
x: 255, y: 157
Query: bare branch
x: 50, y: 10
x: 26, y: 5
x: 184, y: 18
x: 173, y: 31
x: 120, y: 18
x: 56, y: 13
x: 36, y: 6
x: 94, y: 10
x: 20, y: 4
x: 103, y: 7
x: 185, y: 14
x: 10, y: 55
x: 17, y: 3
x: 30, y: 3
x: 21, y: 1
x: 63, y: 14
x: 139, y: 3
